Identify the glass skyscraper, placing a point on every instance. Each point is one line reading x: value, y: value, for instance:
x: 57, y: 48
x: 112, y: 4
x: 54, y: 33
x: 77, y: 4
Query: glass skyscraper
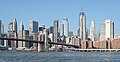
x: 12, y: 30
x: 106, y: 30
x: 33, y: 30
x: 102, y: 31
x: 64, y: 27
x: 33, y: 26
x: 1, y: 27
x: 20, y: 35
x: 109, y: 29
x: 82, y: 19
x: 56, y: 30
x: 92, y: 32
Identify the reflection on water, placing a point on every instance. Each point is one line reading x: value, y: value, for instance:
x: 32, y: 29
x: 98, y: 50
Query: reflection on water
x: 59, y: 56
x: 107, y: 57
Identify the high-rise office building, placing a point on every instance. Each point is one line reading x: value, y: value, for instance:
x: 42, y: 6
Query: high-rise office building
x: 87, y: 33
x: 97, y: 36
x: 21, y: 28
x: 40, y: 28
x: 33, y: 26
x: 82, y: 19
x: 12, y: 30
x: 56, y: 23
x: 64, y: 27
x: 33, y: 37
x: 106, y: 30
x: 26, y: 36
x: 10, y: 27
x: 33, y: 30
x: 20, y: 36
x: 51, y: 29
x: 4, y: 42
x: 15, y: 26
x: 61, y: 29
x: 102, y: 31
x: 1, y: 27
x: 70, y: 34
x: 109, y: 29
x: 92, y: 31
x: 1, y: 32
x: 78, y: 32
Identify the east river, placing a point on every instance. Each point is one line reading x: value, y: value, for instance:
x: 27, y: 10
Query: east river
x: 59, y: 56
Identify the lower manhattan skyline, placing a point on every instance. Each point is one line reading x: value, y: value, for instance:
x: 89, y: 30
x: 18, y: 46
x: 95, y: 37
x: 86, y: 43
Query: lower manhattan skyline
x: 45, y: 12
x: 59, y: 31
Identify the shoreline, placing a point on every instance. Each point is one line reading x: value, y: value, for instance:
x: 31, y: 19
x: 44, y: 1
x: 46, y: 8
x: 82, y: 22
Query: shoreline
x: 51, y: 51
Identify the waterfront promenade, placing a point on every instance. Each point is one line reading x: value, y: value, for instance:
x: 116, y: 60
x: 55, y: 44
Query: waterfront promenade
x: 91, y: 50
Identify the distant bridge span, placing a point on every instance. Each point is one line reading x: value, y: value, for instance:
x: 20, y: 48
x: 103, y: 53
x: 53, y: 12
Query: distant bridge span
x: 35, y: 41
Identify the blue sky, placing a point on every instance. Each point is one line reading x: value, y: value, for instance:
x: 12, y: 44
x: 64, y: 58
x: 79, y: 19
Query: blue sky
x: 46, y: 11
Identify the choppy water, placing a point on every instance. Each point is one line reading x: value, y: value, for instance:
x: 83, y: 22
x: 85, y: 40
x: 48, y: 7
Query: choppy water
x: 59, y: 56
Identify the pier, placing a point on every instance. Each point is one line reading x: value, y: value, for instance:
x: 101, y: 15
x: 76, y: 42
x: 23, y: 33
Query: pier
x: 92, y: 50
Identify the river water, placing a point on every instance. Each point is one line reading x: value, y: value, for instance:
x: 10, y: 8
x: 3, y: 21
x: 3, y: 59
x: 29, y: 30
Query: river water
x: 59, y: 56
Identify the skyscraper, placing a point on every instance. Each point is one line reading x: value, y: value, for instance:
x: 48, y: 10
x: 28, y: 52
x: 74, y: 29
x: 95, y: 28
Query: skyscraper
x: 21, y: 28
x: 102, y: 31
x: 15, y: 26
x: 78, y: 31
x: 1, y: 27
x: 20, y: 35
x: 51, y: 29
x: 106, y: 30
x: 97, y: 36
x: 61, y: 29
x: 56, y: 30
x: 12, y: 30
x: 109, y: 29
x: 33, y: 30
x: 64, y: 27
x: 2, y: 33
x: 82, y: 19
x: 26, y: 36
x: 92, y: 31
x: 87, y: 33
x: 33, y: 26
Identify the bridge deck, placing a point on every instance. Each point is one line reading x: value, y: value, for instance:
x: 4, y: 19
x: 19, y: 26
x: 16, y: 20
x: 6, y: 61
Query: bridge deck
x: 36, y: 41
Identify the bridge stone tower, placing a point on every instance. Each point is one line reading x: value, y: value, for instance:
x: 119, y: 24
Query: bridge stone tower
x: 43, y: 36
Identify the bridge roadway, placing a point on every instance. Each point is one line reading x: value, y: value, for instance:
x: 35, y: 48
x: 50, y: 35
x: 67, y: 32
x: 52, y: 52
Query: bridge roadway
x: 35, y: 41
